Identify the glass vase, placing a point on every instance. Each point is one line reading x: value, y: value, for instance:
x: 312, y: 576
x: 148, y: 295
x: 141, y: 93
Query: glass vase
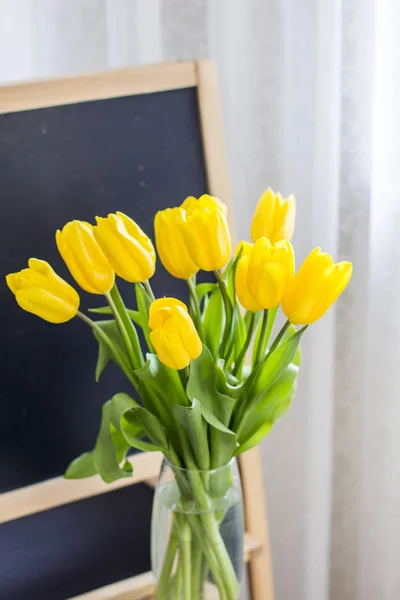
x: 197, y: 533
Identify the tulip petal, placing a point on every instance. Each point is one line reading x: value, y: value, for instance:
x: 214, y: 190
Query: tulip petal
x: 336, y: 279
x: 39, y: 290
x: 272, y: 278
x: 135, y: 232
x: 207, y: 238
x: 132, y: 258
x: 170, y: 349
x: 12, y: 280
x: 43, y: 304
x: 205, y: 201
x: 270, y: 268
x: 274, y: 217
x: 51, y: 281
x: 156, y: 318
x: 315, y: 287
x: 242, y: 291
x: 246, y: 248
x: 171, y: 245
x: 84, y: 257
x: 173, y: 335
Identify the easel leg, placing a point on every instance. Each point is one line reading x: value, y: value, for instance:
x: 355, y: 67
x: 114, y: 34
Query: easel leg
x: 260, y: 568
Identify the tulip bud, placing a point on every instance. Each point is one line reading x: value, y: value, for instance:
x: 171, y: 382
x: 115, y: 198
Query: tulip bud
x: 270, y: 267
x: 205, y: 201
x: 274, y: 217
x: 173, y: 334
x: 315, y: 287
x: 170, y: 243
x: 84, y: 257
x: 207, y: 237
x: 242, y: 289
x: 40, y: 291
x: 128, y: 249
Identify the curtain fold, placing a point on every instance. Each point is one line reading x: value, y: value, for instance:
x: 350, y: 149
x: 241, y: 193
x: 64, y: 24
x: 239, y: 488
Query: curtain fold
x: 311, y: 96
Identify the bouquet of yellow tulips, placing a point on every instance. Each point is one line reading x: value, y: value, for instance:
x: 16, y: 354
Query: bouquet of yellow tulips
x: 201, y: 403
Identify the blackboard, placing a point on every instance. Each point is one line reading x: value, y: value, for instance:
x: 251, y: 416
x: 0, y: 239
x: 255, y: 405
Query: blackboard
x: 137, y: 154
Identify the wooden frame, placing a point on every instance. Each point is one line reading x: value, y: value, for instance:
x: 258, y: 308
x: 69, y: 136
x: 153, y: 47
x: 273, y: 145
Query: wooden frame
x: 55, y: 492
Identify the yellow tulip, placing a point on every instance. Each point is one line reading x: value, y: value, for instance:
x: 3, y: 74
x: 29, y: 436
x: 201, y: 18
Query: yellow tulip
x: 316, y: 286
x: 242, y: 289
x: 207, y: 237
x: 270, y: 268
x: 173, y: 334
x: 274, y: 217
x: 170, y: 243
x: 84, y: 257
x: 205, y: 201
x: 128, y: 249
x: 39, y: 290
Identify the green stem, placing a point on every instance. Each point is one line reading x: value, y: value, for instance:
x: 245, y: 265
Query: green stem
x: 184, y: 376
x: 197, y: 579
x: 165, y: 575
x: 203, y: 576
x: 278, y: 338
x: 196, y: 305
x: 228, y: 313
x: 126, y: 327
x: 118, y: 356
x: 209, y: 553
x: 209, y: 525
x: 270, y: 324
x: 177, y: 583
x: 259, y: 349
x: 149, y: 290
x: 242, y: 355
x: 185, y: 546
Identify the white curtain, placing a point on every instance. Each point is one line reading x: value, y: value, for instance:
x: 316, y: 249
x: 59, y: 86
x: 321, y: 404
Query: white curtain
x: 311, y: 96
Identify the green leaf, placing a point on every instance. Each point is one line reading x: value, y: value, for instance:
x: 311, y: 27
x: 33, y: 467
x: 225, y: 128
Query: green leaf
x: 231, y: 277
x: 205, y: 288
x: 223, y: 447
x: 214, y: 321
x: 280, y: 398
x: 291, y: 330
x: 270, y: 324
x: 102, y: 310
x: 120, y: 404
x: 81, y: 467
x: 264, y: 376
x: 216, y: 408
x: 269, y: 405
x: 283, y: 406
x: 226, y: 271
x: 246, y: 372
x: 106, y: 310
x: 191, y: 420
x: 111, y: 446
x: 142, y: 419
x: 110, y: 328
x: 143, y: 302
x: 239, y: 334
x: 206, y: 300
x: 120, y: 443
x: 105, y: 453
x: 162, y: 380
x: 226, y: 383
x: 255, y: 439
x: 247, y: 319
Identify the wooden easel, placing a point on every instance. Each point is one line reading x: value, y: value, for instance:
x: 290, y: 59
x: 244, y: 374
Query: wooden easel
x: 201, y: 75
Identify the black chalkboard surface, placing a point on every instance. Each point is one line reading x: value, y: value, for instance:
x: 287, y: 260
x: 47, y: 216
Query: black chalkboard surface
x: 137, y: 154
